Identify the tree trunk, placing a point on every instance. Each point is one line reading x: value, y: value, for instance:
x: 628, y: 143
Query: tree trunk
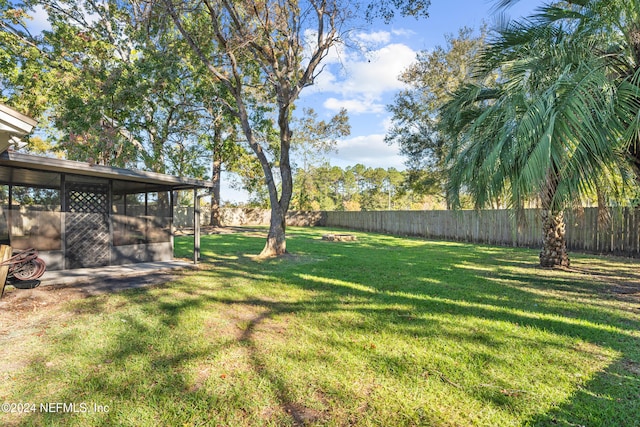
x: 554, y: 245
x: 276, y: 239
x: 276, y: 244
x: 215, y: 217
x: 216, y: 169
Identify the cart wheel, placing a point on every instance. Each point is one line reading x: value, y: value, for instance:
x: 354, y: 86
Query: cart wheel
x: 41, y: 268
x: 26, y: 270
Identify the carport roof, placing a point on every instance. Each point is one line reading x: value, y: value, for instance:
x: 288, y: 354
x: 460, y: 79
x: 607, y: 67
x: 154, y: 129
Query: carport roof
x: 27, y: 169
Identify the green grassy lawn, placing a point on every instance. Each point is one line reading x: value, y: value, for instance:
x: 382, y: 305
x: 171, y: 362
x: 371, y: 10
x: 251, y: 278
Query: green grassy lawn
x: 384, y: 331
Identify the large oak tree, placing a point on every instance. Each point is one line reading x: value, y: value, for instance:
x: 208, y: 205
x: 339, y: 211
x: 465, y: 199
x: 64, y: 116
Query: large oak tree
x: 265, y: 53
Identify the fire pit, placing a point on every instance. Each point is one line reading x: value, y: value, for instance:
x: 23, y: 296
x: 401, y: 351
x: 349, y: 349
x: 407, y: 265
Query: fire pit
x: 339, y: 237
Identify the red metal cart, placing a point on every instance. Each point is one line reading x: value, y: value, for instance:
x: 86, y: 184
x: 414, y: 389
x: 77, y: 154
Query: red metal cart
x: 24, y: 266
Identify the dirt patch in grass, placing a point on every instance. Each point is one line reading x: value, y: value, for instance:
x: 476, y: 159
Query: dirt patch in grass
x: 24, y: 307
x: 302, y: 415
x: 26, y: 314
x: 623, y: 282
x: 631, y: 366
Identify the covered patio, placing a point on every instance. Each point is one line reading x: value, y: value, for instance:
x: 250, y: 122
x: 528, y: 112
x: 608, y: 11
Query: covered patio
x: 80, y: 215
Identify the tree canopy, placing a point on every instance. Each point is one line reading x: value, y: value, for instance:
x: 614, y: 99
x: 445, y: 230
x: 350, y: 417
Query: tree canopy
x: 105, y: 85
x: 130, y: 82
x: 431, y: 82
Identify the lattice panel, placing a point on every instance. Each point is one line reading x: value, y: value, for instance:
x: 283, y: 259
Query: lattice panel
x: 87, y: 198
x: 87, y: 240
x: 87, y: 226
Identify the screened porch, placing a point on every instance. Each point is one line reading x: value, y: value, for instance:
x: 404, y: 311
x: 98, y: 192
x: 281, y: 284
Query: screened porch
x: 79, y: 215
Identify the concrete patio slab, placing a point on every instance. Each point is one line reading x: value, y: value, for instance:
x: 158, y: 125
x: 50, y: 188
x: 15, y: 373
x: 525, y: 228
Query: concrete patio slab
x: 109, y: 275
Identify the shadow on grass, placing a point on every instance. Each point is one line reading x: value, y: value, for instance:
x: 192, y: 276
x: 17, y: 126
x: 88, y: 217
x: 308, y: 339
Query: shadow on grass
x: 363, y: 292
x: 433, y: 281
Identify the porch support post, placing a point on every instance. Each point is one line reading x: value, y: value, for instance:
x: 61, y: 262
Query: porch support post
x: 171, y: 222
x: 63, y: 219
x: 110, y: 220
x: 196, y: 226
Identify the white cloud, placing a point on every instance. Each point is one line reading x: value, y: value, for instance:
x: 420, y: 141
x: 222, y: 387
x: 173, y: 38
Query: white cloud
x: 323, y: 82
x: 361, y: 82
x: 387, y: 123
x: 334, y: 55
x: 379, y: 73
x: 377, y: 37
x: 402, y: 32
x: 369, y: 150
x: 354, y: 106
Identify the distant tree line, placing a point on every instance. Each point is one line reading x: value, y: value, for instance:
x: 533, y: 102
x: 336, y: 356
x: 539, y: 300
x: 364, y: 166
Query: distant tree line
x: 541, y: 110
x: 325, y: 187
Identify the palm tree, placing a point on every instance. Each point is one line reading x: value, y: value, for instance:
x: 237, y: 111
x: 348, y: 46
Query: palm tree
x: 555, y: 125
x: 611, y: 29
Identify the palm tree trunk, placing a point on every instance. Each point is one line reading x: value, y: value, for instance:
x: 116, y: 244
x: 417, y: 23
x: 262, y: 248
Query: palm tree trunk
x: 554, y: 244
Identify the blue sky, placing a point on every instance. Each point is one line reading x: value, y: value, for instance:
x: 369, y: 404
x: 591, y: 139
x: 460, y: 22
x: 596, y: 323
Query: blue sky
x: 365, y: 84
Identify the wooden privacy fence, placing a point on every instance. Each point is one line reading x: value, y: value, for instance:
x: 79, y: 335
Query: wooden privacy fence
x: 620, y: 235
x: 183, y: 217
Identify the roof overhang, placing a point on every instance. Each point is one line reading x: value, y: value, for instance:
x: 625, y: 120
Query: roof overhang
x: 13, y: 125
x: 138, y: 180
